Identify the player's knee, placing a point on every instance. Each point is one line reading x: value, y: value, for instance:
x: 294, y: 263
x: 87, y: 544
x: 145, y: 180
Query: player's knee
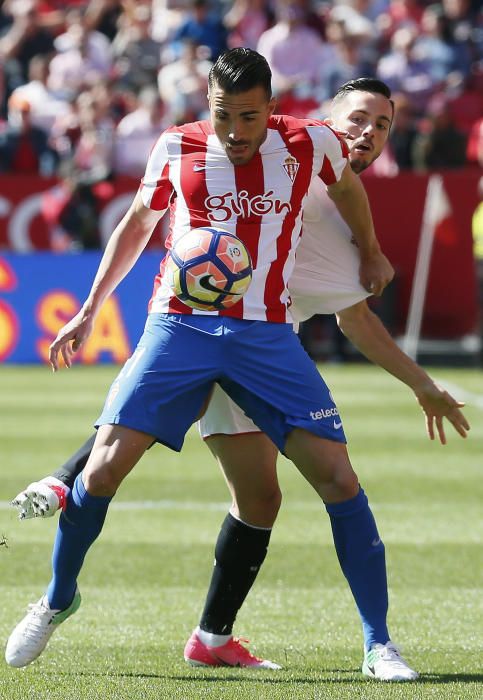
x: 346, y: 484
x: 101, y: 482
x: 261, y: 511
x: 338, y: 483
x: 270, y: 504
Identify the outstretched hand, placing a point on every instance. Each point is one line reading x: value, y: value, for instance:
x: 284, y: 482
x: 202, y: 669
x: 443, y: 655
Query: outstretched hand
x: 438, y: 404
x: 375, y: 273
x: 69, y: 339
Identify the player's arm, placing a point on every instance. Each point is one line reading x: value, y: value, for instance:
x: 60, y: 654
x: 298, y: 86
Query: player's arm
x: 123, y: 249
x: 367, y: 333
x: 350, y: 198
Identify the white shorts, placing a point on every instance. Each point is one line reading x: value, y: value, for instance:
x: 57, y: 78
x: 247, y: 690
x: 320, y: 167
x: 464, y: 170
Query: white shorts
x: 306, y: 305
x: 224, y: 417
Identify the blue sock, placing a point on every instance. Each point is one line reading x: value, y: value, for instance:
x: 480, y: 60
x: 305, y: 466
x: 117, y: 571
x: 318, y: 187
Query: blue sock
x: 79, y: 526
x: 361, y: 556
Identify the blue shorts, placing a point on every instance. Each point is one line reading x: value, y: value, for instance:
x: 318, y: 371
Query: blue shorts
x: 262, y: 366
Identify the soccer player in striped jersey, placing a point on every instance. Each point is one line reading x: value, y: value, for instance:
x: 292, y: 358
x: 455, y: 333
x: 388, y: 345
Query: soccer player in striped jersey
x: 219, y: 647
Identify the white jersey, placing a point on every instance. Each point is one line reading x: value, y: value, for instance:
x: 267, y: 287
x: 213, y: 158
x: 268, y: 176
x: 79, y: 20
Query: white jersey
x: 325, y: 280
x: 326, y: 273
x: 261, y: 202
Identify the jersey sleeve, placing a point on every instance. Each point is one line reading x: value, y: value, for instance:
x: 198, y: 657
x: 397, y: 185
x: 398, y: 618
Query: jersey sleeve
x: 333, y: 154
x: 156, y: 187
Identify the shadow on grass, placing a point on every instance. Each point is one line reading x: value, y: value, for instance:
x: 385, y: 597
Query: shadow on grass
x: 451, y: 678
x: 334, y: 676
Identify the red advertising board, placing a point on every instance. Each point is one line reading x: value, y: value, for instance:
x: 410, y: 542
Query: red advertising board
x: 451, y: 306
x: 24, y: 216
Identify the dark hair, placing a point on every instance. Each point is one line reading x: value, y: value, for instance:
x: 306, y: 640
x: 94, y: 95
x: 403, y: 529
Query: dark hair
x: 239, y: 70
x: 364, y: 85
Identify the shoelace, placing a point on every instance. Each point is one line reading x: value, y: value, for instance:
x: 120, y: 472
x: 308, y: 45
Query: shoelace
x: 36, y: 622
x: 239, y: 641
x: 391, y: 653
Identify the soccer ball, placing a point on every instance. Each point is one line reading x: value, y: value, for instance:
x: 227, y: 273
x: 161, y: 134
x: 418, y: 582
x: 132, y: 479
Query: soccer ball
x: 209, y: 269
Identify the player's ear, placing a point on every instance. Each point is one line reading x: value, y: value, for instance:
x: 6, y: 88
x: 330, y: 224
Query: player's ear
x: 271, y: 106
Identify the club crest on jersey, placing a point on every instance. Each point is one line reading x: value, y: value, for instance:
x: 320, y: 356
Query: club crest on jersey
x: 291, y: 167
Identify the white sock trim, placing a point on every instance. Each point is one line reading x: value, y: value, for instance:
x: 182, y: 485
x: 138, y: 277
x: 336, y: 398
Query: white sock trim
x: 211, y: 639
x: 255, y: 527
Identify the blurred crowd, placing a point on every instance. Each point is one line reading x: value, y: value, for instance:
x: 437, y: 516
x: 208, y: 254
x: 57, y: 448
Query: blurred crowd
x: 86, y: 86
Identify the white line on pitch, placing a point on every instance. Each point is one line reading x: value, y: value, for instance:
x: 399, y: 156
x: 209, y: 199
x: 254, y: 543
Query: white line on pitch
x: 219, y: 506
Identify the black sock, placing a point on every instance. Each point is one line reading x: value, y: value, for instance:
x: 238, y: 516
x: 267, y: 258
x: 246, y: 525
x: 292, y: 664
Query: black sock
x: 239, y: 553
x: 75, y: 464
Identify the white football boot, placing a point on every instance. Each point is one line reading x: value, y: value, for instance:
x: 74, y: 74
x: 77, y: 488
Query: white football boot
x: 31, y: 635
x: 41, y: 499
x: 383, y: 662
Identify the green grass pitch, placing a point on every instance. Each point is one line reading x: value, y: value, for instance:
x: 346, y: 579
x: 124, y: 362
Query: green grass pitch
x: 144, y: 581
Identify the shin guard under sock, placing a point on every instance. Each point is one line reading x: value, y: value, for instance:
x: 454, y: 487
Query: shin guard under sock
x: 79, y: 525
x: 239, y: 553
x: 362, y: 559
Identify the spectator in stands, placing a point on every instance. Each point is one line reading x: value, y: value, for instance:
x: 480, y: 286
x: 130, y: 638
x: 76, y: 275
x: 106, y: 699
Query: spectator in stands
x: 45, y: 107
x: 204, y: 28
x: 65, y: 130
x: 3, y: 95
x: 78, y: 30
x: 104, y: 15
x: 246, y: 21
x: 137, y: 132
x: 465, y: 98
x: 315, y: 15
x: 21, y: 40
x: 83, y: 58
x: 400, y: 13
x: 439, y: 144
x: 464, y: 25
x: 92, y: 156
x: 71, y: 212
x: 369, y: 9
x: 474, y: 149
x: 25, y: 148
x: 346, y: 64
x: 168, y: 16
x: 403, y: 132
x: 433, y: 47
x: 137, y: 56
x: 5, y: 18
x: 51, y: 14
x: 294, y: 52
x: 86, y: 141
x: 354, y: 22
x: 405, y: 72
x: 183, y: 84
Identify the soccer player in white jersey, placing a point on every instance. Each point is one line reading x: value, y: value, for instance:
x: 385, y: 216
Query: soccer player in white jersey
x: 324, y: 280
x: 17, y: 654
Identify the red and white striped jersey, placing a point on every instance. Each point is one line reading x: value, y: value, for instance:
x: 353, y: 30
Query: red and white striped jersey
x: 260, y: 202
